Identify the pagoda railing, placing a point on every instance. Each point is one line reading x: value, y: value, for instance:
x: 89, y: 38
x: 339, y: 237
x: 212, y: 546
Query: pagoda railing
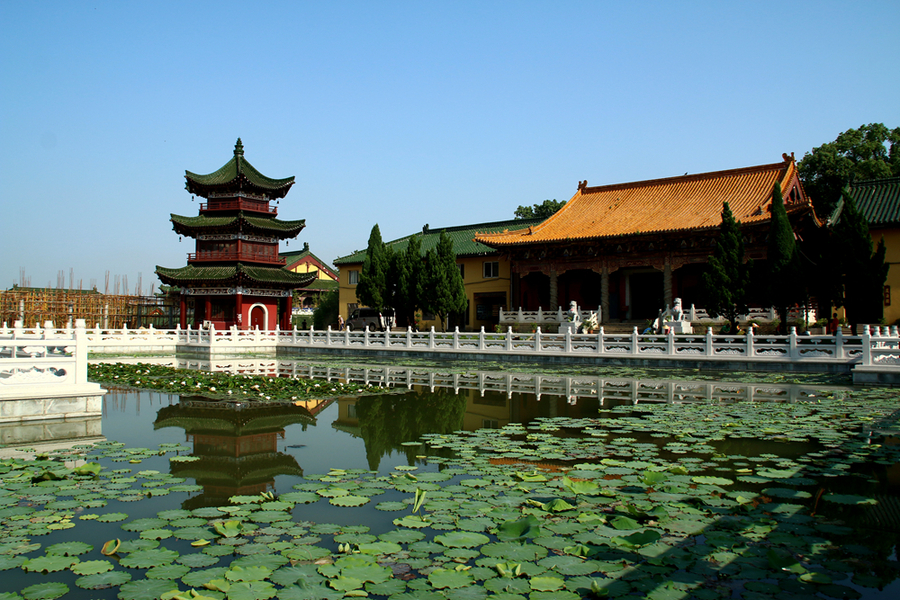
x: 253, y: 205
x: 221, y: 255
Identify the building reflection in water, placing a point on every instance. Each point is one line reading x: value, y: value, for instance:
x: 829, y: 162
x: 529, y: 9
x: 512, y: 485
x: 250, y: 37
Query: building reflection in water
x: 235, y: 444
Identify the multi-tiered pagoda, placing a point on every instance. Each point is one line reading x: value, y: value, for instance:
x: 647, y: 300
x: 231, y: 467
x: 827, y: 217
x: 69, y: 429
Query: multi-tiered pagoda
x: 235, y: 276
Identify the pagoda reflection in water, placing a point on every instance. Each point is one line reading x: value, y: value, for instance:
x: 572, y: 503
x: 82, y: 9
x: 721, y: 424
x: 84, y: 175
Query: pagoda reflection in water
x: 235, y: 444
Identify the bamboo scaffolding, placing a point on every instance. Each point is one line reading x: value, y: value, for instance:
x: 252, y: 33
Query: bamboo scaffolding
x: 36, y: 306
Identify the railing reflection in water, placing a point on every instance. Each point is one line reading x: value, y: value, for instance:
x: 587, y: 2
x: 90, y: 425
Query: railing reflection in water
x: 606, y: 390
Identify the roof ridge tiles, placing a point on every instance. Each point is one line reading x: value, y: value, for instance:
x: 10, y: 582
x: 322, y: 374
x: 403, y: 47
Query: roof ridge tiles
x: 686, y: 177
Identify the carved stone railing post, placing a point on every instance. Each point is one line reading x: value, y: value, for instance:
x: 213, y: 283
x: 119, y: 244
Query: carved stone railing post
x: 792, y: 344
x: 635, y: 342
x: 81, y: 353
x: 600, y: 340
x: 509, y: 335
x: 750, y: 350
x: 537, y: 339
x: 431, y: 338
x: 710, y: 347
x: 456, y: 338
x: 481, y: 338
x: 866, y: 346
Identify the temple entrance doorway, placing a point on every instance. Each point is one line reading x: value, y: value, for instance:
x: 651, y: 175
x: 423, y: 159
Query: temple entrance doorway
x: 258, y: 317
x: 534, y: 292
x: 644, y: 294
x: 582, y: 286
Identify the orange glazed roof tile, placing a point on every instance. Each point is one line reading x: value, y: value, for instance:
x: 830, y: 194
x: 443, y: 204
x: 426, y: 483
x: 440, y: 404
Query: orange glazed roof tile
x: 690, y: 202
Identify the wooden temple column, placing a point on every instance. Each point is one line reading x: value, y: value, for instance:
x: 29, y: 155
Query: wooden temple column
x: 239, y: 309
x: 182, y: 307
x: 554, y: 290
x: 668, y: 296
x: 604, y: 295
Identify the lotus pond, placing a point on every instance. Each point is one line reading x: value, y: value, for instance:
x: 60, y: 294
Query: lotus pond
x: 615, y: 484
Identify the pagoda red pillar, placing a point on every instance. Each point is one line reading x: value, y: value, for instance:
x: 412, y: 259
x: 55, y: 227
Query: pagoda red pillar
x: 182, y: 306
x: 286, y: 316
x: 239, y: 309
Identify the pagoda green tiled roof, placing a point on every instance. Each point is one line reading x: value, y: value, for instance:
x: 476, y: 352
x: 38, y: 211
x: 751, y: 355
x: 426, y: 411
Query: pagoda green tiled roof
x: 233, y: 274
x: 186, y: 225
x: 877, y: 199
x: 462, y: 236
x: 235, y: 169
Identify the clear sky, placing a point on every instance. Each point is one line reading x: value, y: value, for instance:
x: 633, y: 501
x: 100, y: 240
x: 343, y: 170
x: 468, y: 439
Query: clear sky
x: 398, y: 113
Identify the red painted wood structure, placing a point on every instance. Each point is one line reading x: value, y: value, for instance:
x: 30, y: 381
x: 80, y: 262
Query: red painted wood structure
x: 235, y: 276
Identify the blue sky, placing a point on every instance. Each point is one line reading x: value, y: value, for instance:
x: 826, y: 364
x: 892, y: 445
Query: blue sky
x: 398, y: 113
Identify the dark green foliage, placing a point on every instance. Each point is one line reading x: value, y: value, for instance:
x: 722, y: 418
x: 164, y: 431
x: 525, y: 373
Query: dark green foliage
x: 545, y: 209
x: 727, y: 278
x: 372, y: 288
x: 410, y: 270
x: 444, y: 289
x: 326, y: 312
x: 870, y: 152
x: 864, y: 270
x: 782, y: 272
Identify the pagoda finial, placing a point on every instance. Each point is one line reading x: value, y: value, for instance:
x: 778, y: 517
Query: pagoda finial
x: 239, y: 148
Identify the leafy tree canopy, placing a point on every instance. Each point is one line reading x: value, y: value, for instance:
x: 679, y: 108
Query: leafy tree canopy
x: 444, y: 290
x: 542, y: 210
x: 870, y: 152
x: 783, y: 275
x: 372, y: 289
x: 726, y: 281
x: 864, y: 269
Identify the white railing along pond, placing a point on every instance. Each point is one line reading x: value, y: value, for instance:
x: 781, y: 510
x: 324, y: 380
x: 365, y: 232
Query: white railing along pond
x: 876, y: 346
x: 46, y: 361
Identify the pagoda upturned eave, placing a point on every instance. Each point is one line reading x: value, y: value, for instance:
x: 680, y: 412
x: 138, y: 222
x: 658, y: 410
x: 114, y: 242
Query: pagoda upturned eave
x: 237, y: 175
x: 235, y: 275
x: 240, y: 223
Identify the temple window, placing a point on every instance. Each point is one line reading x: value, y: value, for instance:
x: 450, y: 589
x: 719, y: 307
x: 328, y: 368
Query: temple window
x: 491, y: 270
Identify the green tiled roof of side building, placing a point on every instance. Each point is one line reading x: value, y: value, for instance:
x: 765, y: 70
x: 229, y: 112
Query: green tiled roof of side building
x: 877, y: 199
x: 462, y: 236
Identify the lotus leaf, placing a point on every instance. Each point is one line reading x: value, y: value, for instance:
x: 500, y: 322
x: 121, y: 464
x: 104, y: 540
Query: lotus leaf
x: 50, y: 563
x: 91, y: 567
x: 641, y: 538
x: 462, y: 539
x: 348, y: 500
x: 445, y: 578
x: 145, y: 559
x: 45, y: 591
x: 848, y: 499
x: 527, y: 527
x: 70, y: 548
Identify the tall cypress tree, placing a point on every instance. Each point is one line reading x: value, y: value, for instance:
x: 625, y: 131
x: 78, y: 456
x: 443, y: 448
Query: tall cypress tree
x: 445, y: 291
x: 864, y: 271
x: 783, y: 261
x: 372, y: 287
x: 727, y: 278
x: 410, y: 270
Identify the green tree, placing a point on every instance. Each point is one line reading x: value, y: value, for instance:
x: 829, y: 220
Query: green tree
x: 326, y: 311
x: 410, y: 272
x: 444, y: 290
x: 782, y: 270
x: 870, y: 152
x: 543, y: 210
x: 726, y: 281
x: 864, y: 270
x: 373, y: 279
